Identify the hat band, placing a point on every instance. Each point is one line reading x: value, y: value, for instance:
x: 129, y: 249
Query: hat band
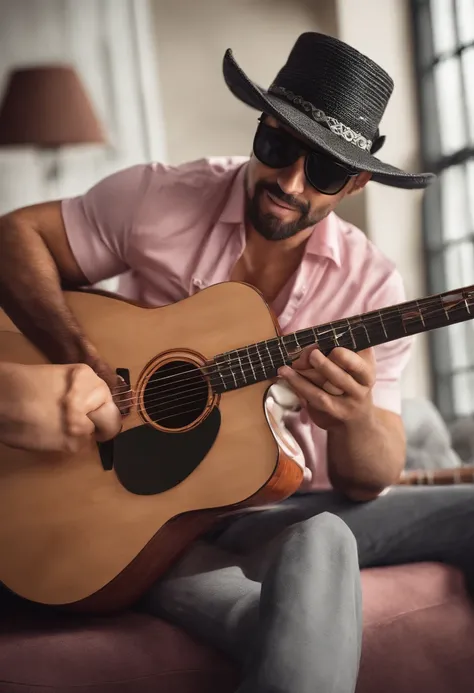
x: 319, y: 116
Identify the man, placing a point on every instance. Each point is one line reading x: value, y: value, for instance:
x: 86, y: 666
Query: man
x: 277, y: 589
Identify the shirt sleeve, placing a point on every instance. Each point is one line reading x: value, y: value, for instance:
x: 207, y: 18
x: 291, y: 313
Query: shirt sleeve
x: 392, y: 357
x: 99, y: 223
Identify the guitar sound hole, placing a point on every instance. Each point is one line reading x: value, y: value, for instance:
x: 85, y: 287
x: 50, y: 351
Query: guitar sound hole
x: 176, y: 395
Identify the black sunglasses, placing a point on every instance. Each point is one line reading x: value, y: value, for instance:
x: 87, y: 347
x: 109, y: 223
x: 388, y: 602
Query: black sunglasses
x: 276, y: 148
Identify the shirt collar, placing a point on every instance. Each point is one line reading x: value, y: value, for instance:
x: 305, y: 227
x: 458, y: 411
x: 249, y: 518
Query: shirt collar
x: 234, y: 207
x: 323, y: 242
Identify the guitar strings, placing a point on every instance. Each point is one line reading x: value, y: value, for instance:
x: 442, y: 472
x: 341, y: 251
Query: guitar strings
x: 210, y: 367
x: 373, y: 317
x: 245, y: 370
x: 217, y: 368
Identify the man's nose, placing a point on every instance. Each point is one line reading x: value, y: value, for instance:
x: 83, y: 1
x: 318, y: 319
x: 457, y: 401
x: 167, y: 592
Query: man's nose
x: 292, y: 179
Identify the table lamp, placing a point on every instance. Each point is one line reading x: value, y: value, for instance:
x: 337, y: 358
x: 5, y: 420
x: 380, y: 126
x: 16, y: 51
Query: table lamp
x: 46, y: 106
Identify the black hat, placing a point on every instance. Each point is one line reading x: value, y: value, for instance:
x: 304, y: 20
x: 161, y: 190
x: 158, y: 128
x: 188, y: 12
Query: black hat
x: 334, y: 97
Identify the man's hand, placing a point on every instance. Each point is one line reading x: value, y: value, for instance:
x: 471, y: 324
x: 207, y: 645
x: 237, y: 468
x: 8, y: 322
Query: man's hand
x: 116, y: 384
x: 366, y: 444
x: 55, y: 407
x: 336, y: 389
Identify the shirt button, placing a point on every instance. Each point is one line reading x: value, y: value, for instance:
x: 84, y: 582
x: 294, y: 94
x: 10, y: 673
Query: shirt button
x: 301, y: 292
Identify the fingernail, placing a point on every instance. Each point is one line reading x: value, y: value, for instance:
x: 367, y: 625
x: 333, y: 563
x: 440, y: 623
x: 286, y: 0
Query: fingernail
x: 285, y: 372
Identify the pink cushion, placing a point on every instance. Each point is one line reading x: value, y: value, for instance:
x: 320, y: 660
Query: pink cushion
x: 418, y: 631
x: 131, y: 653
x: 418, y: 636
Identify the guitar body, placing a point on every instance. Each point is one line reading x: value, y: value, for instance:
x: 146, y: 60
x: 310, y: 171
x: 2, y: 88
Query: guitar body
x: 94, y: 530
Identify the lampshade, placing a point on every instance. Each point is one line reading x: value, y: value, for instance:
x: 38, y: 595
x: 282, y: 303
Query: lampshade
x: 47, y: 106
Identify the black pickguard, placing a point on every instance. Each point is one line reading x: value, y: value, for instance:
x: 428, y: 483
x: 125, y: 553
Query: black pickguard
x: 148, y: 461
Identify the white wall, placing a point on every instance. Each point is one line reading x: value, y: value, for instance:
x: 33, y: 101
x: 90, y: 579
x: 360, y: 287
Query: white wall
x: 111, y: 45
x: 394, y: 216
x: 202, y: 118
x: 201, y: 115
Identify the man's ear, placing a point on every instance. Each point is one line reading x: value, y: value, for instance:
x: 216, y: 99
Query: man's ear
x: 360, y: 182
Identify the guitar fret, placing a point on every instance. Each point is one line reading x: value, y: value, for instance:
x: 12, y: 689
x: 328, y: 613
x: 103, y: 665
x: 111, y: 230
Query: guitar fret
x: 383, y: 324
x: 269, y: 354
x: 308, y: 337
x: 264, y: 370
x: 218, y: 371
x: 366, y: 331
x: 280, y: 350
x: 351, y: 333
x: 420, y: 313
x: 251, y: 364
x: 358, y: 322
x: 404, y: 323
x: 241, y: 367
x: 452, y: 302
x: 336, y: 336
x: 446, y: 312
x: 233, y: 376
x: 221, y: 376
x: 325, y: 339
x: 300, y: 339
x: 288, y: 355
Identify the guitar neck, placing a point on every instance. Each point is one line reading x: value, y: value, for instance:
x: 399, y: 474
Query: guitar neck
x: 437, y: 477
x: 389, y: 324
x: 260, y: 361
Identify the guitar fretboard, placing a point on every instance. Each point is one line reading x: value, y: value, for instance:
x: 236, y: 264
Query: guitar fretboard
x: 261, y: 361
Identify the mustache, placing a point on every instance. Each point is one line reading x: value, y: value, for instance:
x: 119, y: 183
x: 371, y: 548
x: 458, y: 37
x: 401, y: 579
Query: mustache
x: 277, y: 192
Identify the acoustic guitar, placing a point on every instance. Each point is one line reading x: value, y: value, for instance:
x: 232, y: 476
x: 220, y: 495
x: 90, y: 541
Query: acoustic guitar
x: 94, y: 530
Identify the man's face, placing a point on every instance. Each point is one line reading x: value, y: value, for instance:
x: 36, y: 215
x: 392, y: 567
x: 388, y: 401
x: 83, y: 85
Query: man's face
x: 281, y: 202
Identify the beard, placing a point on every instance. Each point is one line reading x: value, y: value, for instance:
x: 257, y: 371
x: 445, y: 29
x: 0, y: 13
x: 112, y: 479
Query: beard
x: 271, y: 227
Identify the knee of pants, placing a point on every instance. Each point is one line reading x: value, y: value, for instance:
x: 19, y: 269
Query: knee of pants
x: 334, y: 530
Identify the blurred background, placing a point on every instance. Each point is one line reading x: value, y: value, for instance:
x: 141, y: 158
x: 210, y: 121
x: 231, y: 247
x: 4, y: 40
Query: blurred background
x: 88, y: 87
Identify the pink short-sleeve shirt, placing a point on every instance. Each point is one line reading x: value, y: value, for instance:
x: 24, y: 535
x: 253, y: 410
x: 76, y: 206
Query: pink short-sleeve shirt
x: 172, y: 231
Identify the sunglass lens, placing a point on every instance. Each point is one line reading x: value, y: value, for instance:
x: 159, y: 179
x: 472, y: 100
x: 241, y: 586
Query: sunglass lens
x: 325, y: 174
x: 274, y: 147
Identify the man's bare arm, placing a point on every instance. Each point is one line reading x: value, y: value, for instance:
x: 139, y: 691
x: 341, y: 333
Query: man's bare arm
x: 367, y: 456
x: 35, y: 261
x: 54, y: 407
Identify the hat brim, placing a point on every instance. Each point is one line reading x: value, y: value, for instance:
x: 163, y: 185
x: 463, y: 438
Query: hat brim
x: 315, y: 133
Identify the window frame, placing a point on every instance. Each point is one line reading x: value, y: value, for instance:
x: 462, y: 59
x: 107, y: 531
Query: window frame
x: 437, y: 243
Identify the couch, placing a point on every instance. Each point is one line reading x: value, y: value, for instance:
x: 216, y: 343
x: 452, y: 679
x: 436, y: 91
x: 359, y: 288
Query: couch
x: 418, y: 634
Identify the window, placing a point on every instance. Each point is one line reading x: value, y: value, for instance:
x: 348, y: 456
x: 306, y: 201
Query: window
x: 444, y: 43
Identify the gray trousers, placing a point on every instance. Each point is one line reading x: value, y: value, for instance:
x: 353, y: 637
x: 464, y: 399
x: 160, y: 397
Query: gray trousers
x: 279, y: 590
